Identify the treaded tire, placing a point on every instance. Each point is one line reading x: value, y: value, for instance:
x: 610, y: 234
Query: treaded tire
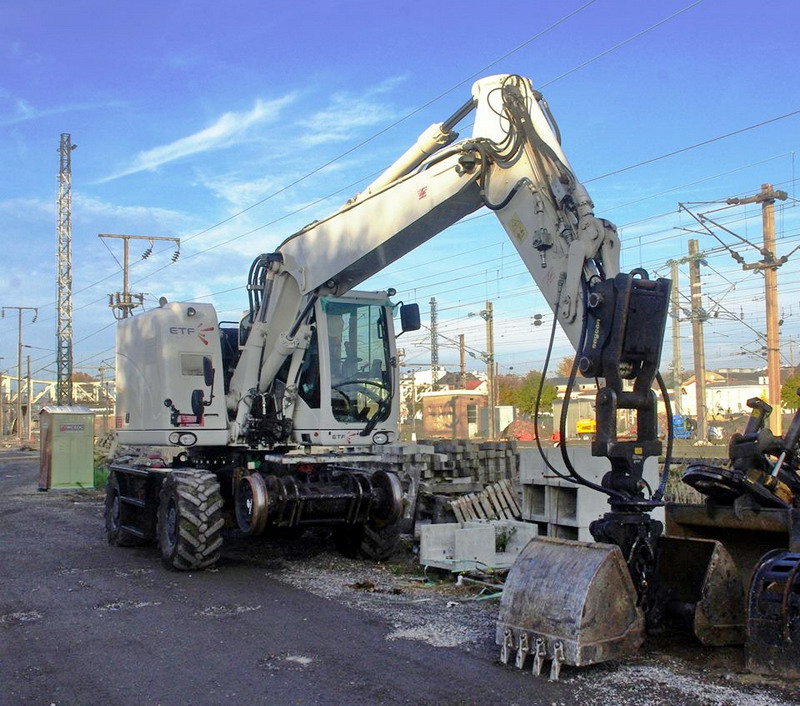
x: 190, y: 520
x: 114, y: 514
x: 368, y: 541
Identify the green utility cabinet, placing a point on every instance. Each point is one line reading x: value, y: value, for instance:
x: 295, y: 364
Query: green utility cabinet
x: 66, y: 435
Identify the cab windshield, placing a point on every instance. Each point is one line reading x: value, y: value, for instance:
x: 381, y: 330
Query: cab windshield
x: 359, y: 361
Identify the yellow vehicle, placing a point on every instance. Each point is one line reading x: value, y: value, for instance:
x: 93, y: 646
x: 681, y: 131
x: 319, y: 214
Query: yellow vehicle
x: 586, y: 427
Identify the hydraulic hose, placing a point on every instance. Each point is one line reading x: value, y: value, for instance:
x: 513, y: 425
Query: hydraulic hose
x: 537, y: 403
x: 662, y: 483
x: 565, y: 407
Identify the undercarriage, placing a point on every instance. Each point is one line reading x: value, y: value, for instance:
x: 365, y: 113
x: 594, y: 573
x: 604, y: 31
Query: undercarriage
x: 185, y: 506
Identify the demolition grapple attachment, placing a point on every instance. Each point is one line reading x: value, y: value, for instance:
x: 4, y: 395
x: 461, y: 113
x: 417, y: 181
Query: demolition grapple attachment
x: 759, y: 491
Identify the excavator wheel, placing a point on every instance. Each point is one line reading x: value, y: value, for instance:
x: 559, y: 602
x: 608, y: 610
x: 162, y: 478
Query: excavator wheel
x: 368, y: 541
x: 379, y: 538
x: 190, y: 520
x: 116, y: 533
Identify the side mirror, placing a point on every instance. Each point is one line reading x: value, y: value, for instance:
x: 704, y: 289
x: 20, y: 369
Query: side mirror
x: 198, y: 397
x: 208, y: 371
x: 409, y: 318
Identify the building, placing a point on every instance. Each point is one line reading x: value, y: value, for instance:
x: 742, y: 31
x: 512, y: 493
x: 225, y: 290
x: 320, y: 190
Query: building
x: 452, y: 414
x: 727, y: 391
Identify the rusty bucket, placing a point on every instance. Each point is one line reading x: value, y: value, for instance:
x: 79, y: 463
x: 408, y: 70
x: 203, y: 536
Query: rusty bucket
x: 568, y: 602
x: 699, y: 590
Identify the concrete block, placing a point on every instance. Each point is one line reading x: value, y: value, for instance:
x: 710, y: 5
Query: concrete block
x: 474, y: 545
x: 566, y: 503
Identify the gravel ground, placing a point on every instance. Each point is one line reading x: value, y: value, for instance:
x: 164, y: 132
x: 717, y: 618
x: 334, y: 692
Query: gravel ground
x: 433, y: 610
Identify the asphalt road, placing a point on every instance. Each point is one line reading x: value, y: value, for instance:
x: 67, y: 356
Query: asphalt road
x: 82, y: 622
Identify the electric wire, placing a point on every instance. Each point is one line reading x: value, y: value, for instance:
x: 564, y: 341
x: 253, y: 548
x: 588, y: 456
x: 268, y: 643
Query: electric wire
x: 433, y: 100
x: 623, y: 42
x: 397, y: 122
x: 692, y: 147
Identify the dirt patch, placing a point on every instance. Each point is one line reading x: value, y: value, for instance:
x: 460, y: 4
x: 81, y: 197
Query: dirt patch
x: 226, y: 611
x: 19, y: 618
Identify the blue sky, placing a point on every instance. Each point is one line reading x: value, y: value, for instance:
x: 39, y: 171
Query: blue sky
x: 187, y: 113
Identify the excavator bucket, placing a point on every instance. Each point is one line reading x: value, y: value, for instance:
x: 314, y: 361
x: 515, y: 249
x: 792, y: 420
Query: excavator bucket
x: 568, y: 602
x: 699, y: 590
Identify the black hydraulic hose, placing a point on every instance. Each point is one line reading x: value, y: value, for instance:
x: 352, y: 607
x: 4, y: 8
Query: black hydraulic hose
x: 537, y: 403
x: 662, y: 483
x: 564, y: 408
x: 303, y: 314
x: 507, y: 200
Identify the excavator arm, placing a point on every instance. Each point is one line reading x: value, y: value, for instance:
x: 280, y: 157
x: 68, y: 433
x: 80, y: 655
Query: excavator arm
x: 512, y: 163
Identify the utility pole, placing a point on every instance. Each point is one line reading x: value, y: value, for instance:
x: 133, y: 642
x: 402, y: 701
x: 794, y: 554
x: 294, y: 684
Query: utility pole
x: 462, y: 362
x: 103, y: 394
x: 488, y: 316
x: 29, y: 404
x: 64, y: 275
x: 20, y: 309
x: 769, y: 266
x: 2, y: 408
x: 434, y: 343
x: 676, y: 339
x: 698, y: 345
x: 122, y: 303
x: 413, y: 406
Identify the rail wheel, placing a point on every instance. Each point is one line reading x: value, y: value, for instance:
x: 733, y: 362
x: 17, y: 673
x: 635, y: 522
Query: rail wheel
x: 190, y: 520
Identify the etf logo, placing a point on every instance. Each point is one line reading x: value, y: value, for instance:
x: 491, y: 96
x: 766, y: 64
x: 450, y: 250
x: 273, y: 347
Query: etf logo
x: 200, y: 331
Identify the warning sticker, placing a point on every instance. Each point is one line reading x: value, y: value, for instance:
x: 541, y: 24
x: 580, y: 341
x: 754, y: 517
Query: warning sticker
x: 72, y: 427
x: 189, y: 420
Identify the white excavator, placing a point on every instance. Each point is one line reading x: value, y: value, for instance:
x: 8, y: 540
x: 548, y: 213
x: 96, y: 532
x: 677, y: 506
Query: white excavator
x: 277, y: 421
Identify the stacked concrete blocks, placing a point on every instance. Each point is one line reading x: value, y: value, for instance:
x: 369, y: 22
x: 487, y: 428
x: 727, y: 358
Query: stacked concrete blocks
x: 561, y: 508
x: 486, y: 462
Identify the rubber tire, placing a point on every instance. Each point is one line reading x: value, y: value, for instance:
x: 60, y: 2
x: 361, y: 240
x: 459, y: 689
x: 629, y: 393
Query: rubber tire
x: 368, y: 541
x: 117, y: 537
x: 190, y: 520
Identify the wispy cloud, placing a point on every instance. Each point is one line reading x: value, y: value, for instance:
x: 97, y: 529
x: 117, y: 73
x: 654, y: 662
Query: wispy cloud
x: 226, y: 130
x: 346, y: 114
x: 22, y: 111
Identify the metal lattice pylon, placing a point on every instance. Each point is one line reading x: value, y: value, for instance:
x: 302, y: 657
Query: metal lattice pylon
x: 434, y: 345
x: 64, y: 267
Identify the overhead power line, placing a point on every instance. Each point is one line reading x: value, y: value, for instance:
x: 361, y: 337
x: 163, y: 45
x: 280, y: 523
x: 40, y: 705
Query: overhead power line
x: 692, y: 147
x: 410, y: 114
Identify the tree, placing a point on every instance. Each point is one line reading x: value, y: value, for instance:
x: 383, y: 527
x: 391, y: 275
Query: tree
x: 528, y: 391
x: 82, y: 377
x: 521, y: 391
x: 564, y: 367
x: 507, y: 388
x: 789, y: 395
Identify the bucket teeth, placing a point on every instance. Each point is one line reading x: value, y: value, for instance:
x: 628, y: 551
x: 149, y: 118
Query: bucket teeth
x: 508, y: 646
x: 558, y: 660
x: 522, y: 650
x: 539, y: 655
